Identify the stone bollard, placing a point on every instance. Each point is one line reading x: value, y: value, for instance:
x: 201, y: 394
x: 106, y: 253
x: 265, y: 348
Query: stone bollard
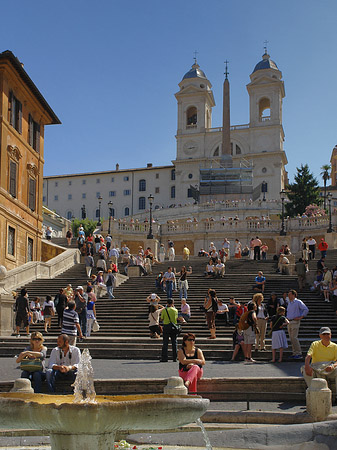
x: 175, y: 386
x: 318, y: 399
x: 22, y: 385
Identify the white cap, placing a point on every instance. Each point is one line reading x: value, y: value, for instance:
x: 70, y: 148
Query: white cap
x: 153, y: 296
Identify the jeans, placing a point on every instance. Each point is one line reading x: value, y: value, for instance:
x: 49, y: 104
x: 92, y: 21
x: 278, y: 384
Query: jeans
x: 36, y: 378
x: 110, y: 290
x: 183, y: 292
x: 169, y: 289
x: 232, y: 315
x: 167, y: 334
x: 54, y: 375
x: 257, y: 252
x: 83, y: 321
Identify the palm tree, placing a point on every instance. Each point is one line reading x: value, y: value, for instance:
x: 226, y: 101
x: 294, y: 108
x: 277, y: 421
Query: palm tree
x: 325, y: 174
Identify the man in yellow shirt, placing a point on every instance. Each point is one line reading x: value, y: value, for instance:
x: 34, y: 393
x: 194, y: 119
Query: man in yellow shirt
x: 186, y: 253
x: 169, y: 317
x: 321, y: 359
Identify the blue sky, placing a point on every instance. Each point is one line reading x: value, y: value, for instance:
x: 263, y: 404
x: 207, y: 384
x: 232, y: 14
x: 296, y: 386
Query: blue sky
x: 109, y: 69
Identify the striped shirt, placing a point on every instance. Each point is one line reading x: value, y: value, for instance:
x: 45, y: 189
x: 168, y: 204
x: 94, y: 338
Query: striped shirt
x: 70, y: 319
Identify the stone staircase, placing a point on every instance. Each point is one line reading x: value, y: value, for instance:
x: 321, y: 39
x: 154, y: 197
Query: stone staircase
x: 123, y: 321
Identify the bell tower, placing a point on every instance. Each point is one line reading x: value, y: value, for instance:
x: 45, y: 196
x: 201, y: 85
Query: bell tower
x: 195, y: 102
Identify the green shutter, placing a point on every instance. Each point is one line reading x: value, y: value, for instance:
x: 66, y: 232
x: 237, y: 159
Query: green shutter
x: 19, y: 128
x: 12, y: 178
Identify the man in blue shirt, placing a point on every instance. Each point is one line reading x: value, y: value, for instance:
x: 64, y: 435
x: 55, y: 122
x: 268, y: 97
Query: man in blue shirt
x: 296, y: 311
x: 260, y: 281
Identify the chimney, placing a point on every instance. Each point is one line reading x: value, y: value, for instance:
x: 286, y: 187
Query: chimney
x: 149, y: 165
x: 117, y: 166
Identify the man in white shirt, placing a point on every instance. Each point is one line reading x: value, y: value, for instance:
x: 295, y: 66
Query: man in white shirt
x: 226, y: 245
x: 220, y: 269
x: 312, y: 247
x: 63, y: 362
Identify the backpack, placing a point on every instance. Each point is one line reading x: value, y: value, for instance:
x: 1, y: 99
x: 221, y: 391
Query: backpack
x: 243, y: 322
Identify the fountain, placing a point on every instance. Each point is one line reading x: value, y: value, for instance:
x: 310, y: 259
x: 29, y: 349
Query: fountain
x: 85, y: 421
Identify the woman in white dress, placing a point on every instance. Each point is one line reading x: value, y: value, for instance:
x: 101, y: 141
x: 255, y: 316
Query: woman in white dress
x: 35, y: 308
x: 161, y: 253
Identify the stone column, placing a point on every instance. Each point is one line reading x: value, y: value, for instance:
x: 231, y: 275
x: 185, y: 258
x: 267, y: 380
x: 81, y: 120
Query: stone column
x: 318, y: 399
x: 6, y: 306
x: 153, y: 244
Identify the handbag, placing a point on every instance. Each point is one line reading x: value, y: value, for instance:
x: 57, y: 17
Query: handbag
x: 95, y: 326
x: 31, y: 365
x: 174, y: 326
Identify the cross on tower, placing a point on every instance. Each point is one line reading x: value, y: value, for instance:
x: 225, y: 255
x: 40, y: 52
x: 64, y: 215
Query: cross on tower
x: 265, y: 46
x: 195, y: 56
x: 226, y: 72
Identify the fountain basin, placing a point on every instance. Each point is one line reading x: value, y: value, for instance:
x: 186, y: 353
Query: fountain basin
x: 92, y: 425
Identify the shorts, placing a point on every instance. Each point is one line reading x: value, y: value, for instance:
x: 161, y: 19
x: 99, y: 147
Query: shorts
x: 21, y: 318
x: 249, y: 336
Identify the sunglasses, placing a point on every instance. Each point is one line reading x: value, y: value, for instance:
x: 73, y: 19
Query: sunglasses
x: 36, y: 339
x: 190, y: 339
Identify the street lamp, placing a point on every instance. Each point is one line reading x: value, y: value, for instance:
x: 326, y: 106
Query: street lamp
x: 150, y: 199
x: 264, y: 187
x: 283, y: 196
x: 329, y: 230
x: 110, y: 215
x: 99, y: 211
x: 84, y: 213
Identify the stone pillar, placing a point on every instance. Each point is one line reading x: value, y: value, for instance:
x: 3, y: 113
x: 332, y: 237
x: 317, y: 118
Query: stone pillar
x: 6, y: 306
x: 318, y: 399
x: 154, y: 246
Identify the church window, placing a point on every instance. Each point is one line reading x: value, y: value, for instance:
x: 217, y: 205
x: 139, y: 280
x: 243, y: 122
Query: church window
x: 84, y: 181
x: 15, y: 111
x: 216, y: 152
x: 189, y: 193
x: 56, y: 197
x: 69, y: 215
x: 127, y: 192
x: 173, y: 192
x: 98, y: 194
x: 70, y: 197
x: 191, y: 116
x: 98, y: 180
x: 126, y: 211
x: 84, y: 195
x: 56, y: 183
x: 157, y: 190
x: 264, y: 169
x: 126, y: 178
x: 264, y: 109
x: 141, y: 203
x: 190, y: 175
x: 142, y: 185
x: 157, y: 176
x: 237, y: 150
x: 98, y: 213
x: 112, y: 179
x: 173, y: 174
x: 69, y: 182
x: 112, y: 193
x: 44, y: 198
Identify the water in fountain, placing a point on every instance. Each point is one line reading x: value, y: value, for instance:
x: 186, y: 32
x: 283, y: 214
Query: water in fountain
x: 84, y: 389
x: 205, y: 435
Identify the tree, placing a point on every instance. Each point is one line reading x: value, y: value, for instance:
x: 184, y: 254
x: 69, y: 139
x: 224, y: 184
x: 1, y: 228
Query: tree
x: 325, y: 174
x: 88, y: 225
x: 303, y: 192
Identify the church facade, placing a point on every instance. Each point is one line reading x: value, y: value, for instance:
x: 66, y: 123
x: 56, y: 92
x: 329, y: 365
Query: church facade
x: 235, y: 162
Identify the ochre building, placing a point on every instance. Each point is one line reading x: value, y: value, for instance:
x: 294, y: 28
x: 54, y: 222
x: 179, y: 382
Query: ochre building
x: 23, y: 115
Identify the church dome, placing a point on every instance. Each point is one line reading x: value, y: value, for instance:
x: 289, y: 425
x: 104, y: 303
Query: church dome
x: 195, y: 72
x: 266, y: 63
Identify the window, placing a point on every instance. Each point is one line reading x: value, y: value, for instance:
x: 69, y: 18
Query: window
x: 15, y: 111
x: 84, y: 181
x: 216, y: 151
x: 126, y: 178
x: 190, y: 175
x: 264, y: 109
x: 13, y: 168
x: 141, y: 203
x: 112, y: 212
x: 69, y: 215
x: 157, y: 176
x: 126, y: 211
x: 56, y: 197
x: 30, y: 249
x: 237, y: 150
x: 84, y: 195
x: 69, y: 183
x: 142, y: 185
x: 112, y: 194
x: 127, y: 192
x: 112, y: 179
x: 157, y: 190
x: 98, y: 194
x: 191, y: 116
x: 173, y: 174
x: 97, y: 213
x: 189, y: 193
x: 173, y: 192
x: 70, y: 197
x: 32, y: 194
x: 98, y: 180
x: 56, y: 183
x: 11, y: 241
x: 33, y: 134
x: 44, y: 199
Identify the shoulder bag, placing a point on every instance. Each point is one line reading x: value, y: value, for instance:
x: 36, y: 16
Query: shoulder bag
x: 174, y: 326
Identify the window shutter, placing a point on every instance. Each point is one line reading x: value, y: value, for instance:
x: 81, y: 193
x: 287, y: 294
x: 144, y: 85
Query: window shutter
x: 32, y: 193
x: 11, y: 108
x: 37, y: 137
x: 19, y: 104
x: 30, y: 130
x: 12, y: 178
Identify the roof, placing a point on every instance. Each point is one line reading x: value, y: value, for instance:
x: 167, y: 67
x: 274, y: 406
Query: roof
x: 266, y: 63
x: 8, y: 55
x: 195, y: 72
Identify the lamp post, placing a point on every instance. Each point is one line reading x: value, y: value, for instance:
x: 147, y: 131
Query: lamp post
x: 84, y: 213
x: 110, y: 215
x: 283, y: 197
x: 150, y: 199
x: 99, y: 211
x: 329, y: 230
x: 264, y: 187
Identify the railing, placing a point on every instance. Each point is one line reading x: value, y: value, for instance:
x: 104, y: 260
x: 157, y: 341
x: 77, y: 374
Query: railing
x: 233, y: 127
